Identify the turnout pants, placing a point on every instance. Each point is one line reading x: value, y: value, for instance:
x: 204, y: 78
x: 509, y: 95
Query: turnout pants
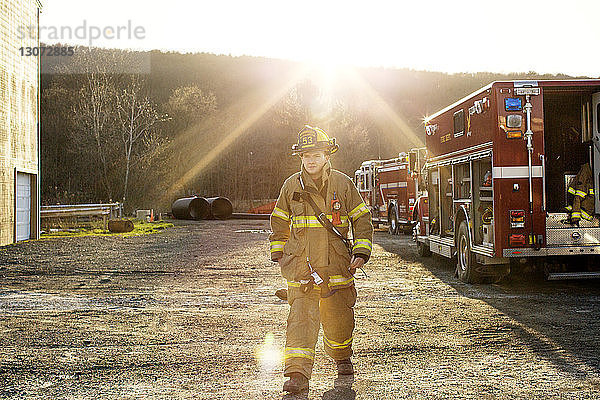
x: 307, y: 313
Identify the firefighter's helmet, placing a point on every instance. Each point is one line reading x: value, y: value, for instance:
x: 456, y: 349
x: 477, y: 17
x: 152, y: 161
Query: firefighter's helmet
x: 310, y: 138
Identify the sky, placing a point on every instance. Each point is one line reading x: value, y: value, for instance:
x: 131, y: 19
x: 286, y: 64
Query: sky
x: 449, y: 36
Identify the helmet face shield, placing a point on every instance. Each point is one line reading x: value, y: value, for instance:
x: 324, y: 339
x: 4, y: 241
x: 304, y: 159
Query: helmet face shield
x: 310, y: 138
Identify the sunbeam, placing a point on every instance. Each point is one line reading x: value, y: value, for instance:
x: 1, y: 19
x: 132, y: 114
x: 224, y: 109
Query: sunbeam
x: 226, y: 118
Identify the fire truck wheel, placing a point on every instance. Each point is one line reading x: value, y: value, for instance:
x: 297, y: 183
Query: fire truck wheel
x: 423, y: 250
x: 393, y: 227
x: 465, y: 264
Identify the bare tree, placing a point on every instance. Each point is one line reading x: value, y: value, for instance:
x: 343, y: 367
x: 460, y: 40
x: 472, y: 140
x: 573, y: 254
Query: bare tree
x: 137, y: 115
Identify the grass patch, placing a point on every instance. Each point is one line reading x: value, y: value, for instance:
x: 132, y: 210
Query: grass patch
x: 97, y: 229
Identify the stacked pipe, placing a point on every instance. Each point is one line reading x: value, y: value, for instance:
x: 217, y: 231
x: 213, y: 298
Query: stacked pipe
x: 197, y: 208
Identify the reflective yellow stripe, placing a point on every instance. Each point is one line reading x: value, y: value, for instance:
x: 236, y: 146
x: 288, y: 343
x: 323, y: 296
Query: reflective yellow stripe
x: 576, y: 214
x: 363, y: 212
x: 358, y: 211
x: 302, y: 352
x: 310, y: 221
x: 339, y: 280
x: 336, y: 345
x: 279, y: 213
x: 571, y: 190
x: 365, y: 243
x: 568, y: 208
x: 592, y: 192
x: 355, y: 209
x: 581, y: 193
x: 586, y: 215
x: 277, y: 246
x: 297, y: 284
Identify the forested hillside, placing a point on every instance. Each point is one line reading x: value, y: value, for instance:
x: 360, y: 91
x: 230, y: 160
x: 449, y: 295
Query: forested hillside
x: 219, y: 125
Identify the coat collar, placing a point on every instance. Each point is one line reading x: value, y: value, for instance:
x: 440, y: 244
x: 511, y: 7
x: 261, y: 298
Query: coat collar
x: 308, y: 181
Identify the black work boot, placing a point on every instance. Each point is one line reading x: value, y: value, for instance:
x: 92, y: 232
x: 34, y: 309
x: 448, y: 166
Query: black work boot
x: 296, y: 384
x: 344, y: 367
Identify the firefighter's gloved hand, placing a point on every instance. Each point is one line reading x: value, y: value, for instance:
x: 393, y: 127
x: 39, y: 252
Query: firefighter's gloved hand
x: 357, y: 262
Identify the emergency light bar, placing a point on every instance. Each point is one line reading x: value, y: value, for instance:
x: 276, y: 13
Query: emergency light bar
x: 512, y: 104
x: 524, y: 91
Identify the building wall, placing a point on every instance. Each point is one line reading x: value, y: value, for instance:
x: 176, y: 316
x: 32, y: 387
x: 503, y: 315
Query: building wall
x: 19, y: 88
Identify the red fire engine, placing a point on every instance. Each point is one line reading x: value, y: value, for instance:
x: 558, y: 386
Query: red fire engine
x: 390, y: 188
x: 500, y: 164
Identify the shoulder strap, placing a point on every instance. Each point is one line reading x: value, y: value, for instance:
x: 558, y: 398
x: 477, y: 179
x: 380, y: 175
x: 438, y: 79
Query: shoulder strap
x: 322, y: 218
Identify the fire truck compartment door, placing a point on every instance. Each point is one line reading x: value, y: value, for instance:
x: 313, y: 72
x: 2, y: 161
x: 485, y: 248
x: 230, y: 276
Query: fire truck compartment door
x: 596, y: 147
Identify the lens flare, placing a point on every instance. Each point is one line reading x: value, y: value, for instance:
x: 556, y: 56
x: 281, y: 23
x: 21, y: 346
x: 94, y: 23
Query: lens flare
x: 268, y: 356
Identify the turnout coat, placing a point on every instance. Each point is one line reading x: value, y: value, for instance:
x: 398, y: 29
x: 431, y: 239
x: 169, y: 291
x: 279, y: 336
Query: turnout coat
x: 298, y: 235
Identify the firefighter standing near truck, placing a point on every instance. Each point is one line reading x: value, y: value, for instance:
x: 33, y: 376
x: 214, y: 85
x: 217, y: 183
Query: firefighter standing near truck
x: 317, y: 259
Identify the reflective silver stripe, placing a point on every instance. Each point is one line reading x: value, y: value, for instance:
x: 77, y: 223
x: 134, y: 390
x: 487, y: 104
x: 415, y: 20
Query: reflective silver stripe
x: 277, y: 246
x: 298, y: 284
x: 365, y: 243
x: 393, y: 185
x: 516, y: 172
x: 339, y: 280
x: 358, y: 211
x: 337, y: 345
x: 309, y: 221
x: 302, y: 352
x: 278, y: 212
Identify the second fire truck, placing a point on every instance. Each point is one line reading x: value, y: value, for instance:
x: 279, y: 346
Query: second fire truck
x: 390, y: 188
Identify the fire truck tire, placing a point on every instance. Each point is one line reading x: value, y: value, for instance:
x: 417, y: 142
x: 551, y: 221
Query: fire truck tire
x: 465, y: 260
x: 393, y: 227
x: 423, y: 250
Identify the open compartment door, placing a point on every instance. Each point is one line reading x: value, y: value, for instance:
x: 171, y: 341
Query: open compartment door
x: 596, y: 147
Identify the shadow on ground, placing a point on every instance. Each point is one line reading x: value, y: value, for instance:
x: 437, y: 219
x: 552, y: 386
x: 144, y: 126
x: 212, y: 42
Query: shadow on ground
x: 557, y: 320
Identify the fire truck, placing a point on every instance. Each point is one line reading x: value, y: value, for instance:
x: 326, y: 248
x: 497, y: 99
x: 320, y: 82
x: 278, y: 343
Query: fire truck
x: 500, y: 163
x: 391, y: 187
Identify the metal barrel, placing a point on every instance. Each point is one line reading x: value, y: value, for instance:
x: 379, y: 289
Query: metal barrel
x: 191, y: 208
x: 220, y: 207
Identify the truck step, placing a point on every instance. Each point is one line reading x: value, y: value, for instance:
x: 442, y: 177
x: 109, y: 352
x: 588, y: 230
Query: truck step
x: 557, y: 276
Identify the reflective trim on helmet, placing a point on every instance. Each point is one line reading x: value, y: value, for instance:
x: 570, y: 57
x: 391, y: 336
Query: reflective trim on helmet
x: 311, y: 138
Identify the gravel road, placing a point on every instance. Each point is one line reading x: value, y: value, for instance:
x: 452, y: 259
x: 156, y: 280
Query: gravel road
x: 189, y: 313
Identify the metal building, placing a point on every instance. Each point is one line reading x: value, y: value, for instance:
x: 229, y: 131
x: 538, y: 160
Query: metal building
x: 19, y: 121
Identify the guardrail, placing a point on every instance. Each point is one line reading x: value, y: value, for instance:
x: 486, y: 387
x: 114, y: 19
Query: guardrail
x: 110, y: 210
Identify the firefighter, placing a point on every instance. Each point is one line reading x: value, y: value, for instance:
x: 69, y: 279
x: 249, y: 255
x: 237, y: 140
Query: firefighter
x: 582, y: 189
x: 303, y: 246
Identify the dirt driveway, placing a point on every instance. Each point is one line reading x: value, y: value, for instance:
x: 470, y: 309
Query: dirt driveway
x: 189, y: 313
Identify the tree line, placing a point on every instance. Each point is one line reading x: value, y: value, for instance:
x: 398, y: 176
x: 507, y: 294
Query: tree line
x: 217, y: 125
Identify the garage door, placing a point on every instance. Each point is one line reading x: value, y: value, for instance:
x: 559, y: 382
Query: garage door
x: 23, y: 206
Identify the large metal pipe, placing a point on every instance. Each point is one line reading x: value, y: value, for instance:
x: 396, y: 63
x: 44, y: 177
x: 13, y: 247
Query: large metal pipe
x: 191, y: 208
x: 220, y: 207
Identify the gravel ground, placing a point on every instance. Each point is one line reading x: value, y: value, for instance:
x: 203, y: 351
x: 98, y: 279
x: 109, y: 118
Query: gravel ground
x: 189, y: 313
